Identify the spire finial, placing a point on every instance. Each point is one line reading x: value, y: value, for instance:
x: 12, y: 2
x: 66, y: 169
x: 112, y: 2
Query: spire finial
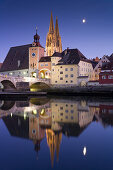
x: 36, y: 29
x: 56, y: 27
x: 51, y: 27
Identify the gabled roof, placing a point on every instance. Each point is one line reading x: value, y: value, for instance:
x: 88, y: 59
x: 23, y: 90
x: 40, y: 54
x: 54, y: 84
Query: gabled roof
x: 15, y: 54
x: 45, y: 59
x: 57, y: 54
x: 94, y: 63
x: 72, y: 56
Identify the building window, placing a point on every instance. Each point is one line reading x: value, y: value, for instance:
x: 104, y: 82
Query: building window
x: 61, y: 67
x: 53, y: 70
x: 42, y: 65
x: 55, y: 81
x: 61, y: 114
x: 46, y: 64
x: 66, y: 69
x: 66, y: 111
x: 53, y: 64
x: 61, y: 78
x: 103, y: 77
x: 71, y: 81
x: 66, y: 75
x: 66, y: 81
x: 66, y: 117
x: 71, y: 117
x: 61, y: 72
x: 61, y: 108
x: 110, y: 77
x: 72, y: 111
x: 71, y: 69
x: 71, y: 75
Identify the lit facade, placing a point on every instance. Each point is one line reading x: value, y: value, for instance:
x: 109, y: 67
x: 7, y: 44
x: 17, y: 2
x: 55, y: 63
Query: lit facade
x: 53, y: 39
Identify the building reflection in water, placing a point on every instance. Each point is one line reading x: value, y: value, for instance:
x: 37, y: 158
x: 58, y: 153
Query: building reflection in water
x: 43, y: 118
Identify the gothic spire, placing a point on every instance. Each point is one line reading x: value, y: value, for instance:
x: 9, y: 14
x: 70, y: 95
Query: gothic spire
x: 56, y: 28
x: 51, y: 27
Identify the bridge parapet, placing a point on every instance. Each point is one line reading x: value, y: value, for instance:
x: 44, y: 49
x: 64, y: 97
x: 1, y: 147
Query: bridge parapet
x: 30, y: 80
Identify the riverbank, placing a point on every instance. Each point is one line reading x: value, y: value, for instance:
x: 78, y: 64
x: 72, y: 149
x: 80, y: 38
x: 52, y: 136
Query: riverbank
x: 19, y: 94
x: 71, y: 91
x: 81, y: 91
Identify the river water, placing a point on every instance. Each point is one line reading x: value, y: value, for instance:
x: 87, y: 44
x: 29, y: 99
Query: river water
x: 73, y: 133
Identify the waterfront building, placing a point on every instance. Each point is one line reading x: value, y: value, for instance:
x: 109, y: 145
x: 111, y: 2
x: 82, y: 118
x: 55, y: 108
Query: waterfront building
x: 22, y: 61
x: 106, y: 74
x: 53, y: 39
x: 68, y: 66
x: 97, y: 68
x: 45, y: 67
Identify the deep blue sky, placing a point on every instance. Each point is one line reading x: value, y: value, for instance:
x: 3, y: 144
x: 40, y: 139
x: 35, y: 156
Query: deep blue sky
x: 94, y: 38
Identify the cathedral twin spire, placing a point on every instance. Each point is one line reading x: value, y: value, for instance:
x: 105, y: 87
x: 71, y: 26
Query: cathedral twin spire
x: 51, y: 27
x: 53, y: 40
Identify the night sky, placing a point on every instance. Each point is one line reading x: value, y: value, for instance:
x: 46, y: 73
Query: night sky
x: 94, y: 38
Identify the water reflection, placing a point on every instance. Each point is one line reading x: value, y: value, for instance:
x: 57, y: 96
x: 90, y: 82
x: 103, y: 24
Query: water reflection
x: 37, y: 119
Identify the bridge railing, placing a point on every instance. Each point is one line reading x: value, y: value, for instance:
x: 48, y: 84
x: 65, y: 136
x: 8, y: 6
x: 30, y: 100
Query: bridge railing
x: 24, y: 79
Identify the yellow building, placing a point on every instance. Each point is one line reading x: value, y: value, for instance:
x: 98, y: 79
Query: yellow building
x: 53, y: 39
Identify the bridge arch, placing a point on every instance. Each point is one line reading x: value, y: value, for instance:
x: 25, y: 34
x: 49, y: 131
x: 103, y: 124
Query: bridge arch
x: 45, y: 73
x: 8, y: 85
x: 39, y: 86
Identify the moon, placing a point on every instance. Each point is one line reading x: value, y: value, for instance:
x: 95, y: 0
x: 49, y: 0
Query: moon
x: 84, y: 20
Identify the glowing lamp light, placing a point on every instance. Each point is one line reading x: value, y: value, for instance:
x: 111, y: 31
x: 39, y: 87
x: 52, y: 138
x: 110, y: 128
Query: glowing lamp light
x: 84, y: 151
x: 35, y: 112
x: 25, y: 116
x: 11, y: 114
x: 42, y: 112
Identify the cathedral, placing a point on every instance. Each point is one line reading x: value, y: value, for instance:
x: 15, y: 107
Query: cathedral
x: 53, y: 39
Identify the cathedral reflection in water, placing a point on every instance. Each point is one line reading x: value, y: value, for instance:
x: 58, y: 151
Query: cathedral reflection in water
x: 51, y: 118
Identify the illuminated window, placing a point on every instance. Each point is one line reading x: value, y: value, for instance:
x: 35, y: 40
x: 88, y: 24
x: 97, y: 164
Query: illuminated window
x: 110, y: 77
x: 103, y: 77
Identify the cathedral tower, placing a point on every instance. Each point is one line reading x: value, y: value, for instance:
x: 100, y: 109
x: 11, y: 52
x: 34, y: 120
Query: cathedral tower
x: 53, y: 39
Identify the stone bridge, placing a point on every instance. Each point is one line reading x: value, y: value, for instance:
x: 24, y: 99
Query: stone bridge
x: 10, y: 82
